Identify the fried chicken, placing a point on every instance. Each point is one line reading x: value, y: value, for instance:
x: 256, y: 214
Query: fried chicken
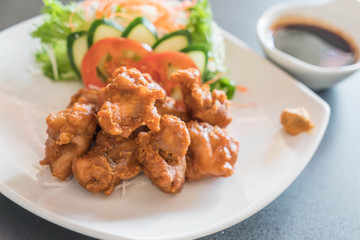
x: 85, y: 96
x: 141, y: 130
x: 169, y: 106
x: 163, y: 154
x: 212, y: 152
x: 70, y: 133
x: 204, y: 106
x: 113, y: 158
x: 128, y: 102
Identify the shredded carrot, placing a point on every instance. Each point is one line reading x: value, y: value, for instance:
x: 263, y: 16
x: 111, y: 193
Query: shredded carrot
x: 180, y: 26
x: 166, y: 25
x: 159, y: 5
x: 166, y: 13
x: 163, y: 22
x: 86, y: 5
x: 100, y: 10
x: 241, y: 88
x: 107, y: 8
x: 185, y: 5
x: 215, y: 79
x: 71, y: 25
x: 124, y: 15
x: 104, y: 8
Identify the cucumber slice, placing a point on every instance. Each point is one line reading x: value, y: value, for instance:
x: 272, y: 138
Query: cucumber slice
x: 76, y: 49
x: 141, y: 30
x: 103, y: 28
x: 173, y: 42
x: 199, y: 54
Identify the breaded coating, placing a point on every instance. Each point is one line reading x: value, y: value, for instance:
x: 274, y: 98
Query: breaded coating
x: 212, y: 152
x: 169, y: 106
x: 163, y: 154
x: 296, y: 120
x: 128, y: 102
x: 113, y: 158
x: 70, y: 133
x: 140, y: 129
x: 85, y: 96
x: 205, y: 106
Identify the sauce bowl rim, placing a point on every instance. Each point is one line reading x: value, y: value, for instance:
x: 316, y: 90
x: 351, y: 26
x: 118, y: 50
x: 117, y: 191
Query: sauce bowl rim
x: 263, y: 30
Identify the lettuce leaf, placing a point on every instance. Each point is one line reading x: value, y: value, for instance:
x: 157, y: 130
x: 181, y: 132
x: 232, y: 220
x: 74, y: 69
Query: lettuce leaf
x: 205, y: 32
x: 53, y: 32
x: 200, y: 23
x: 225, y: 84
x: 58, y: 51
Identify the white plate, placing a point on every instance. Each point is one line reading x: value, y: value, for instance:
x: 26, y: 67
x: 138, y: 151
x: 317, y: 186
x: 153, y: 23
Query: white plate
x: 268, y: 162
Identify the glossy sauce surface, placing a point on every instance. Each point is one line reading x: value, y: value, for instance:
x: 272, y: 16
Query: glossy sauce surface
x: 314, y: 45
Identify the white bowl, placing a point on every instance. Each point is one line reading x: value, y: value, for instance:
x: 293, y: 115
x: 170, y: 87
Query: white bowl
x: 340, y: 14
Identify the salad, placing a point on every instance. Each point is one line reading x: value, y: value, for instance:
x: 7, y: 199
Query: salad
x: 89, y: 40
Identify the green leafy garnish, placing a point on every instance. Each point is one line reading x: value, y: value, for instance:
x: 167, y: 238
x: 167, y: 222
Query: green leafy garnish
x: 225, y: 84
x: 61, y: 69
x: 199, y: 25
x: 52, y: 33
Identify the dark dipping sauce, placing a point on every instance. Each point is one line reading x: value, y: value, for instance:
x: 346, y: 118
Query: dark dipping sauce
x: 314, y: 44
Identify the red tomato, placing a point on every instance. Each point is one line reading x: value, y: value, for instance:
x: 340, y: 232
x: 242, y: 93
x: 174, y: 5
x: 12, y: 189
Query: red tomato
x: 161, y: 65
x: 109, y: 54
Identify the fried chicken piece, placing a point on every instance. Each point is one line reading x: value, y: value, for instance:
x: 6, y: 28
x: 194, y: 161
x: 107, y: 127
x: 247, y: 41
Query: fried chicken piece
x: 113, y: 158
x: 296, y: 120
x: 163, y: 154
x: 70, y: 133
x: 85, y: 96
x: 128, y: 102
x: 212, y: 152
x: 204, y: 106
x: 169, y: 106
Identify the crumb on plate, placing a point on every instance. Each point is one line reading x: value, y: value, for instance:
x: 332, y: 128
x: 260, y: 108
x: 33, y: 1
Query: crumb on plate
x: 296, y: 120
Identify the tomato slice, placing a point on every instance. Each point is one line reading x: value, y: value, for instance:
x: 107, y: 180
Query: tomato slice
x: 161, y: 65
x: 109, y: 54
